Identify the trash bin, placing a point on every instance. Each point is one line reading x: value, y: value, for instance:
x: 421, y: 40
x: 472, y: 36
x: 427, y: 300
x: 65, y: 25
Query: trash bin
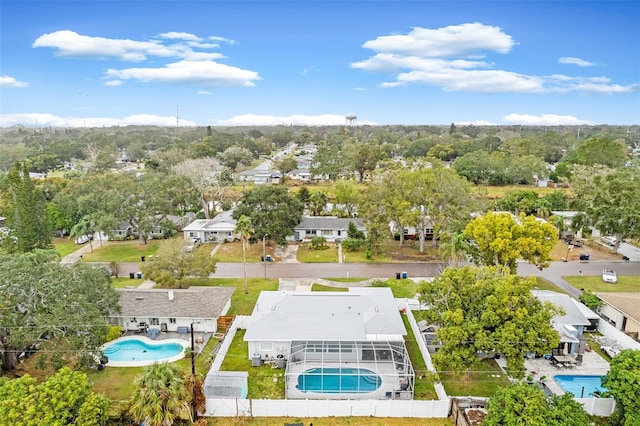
x: 404, y: 275
x: 142, y: 258
x: 398, y: 275
x: 256, y: 360
x: 132, y: 275
x: 269, y: 258
x: 261, y: 258
x: 139, y: 275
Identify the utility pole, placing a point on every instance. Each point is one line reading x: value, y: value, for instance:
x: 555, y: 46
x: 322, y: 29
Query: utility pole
x: 264, y: 255
x: 194, y: 413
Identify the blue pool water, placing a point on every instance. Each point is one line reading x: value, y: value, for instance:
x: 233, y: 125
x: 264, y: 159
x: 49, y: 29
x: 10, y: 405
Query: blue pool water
x: 338, y: 380
x: 574, y: 384
x: 137, y: 350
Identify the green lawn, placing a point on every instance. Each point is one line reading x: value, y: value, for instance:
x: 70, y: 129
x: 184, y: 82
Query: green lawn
x: 308, y: 255
x: 402, y: 288
x: 594, y: 284
x: 320, y: 287
x: 123, y: 282
x: 424, y: 378
x: 241, y: 304
x: 543, y: 284
x: 65, y: 246
x: 262, y: 380
x: 232, y: 252
x: 122, y: 251
x: 484, y: 379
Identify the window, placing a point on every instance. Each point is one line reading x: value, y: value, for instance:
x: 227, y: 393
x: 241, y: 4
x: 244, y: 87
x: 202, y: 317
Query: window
x: 266, y: 346
x: 172, y: 320
x: 193, y: 234
x: 154, y: 321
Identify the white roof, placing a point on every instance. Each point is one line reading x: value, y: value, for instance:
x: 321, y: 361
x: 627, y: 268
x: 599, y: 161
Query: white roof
x: 573, y: 315
x: 362, y: 314
x: 588, y: 313
x: 223, y: 221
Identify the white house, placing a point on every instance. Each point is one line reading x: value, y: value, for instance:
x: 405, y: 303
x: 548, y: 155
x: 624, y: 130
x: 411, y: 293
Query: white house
x: 303, y: 175
x: 173, y: 309
x: 622, y: 310
x: 330, y: 227
x: 220, y: 228
x: 356, y: 337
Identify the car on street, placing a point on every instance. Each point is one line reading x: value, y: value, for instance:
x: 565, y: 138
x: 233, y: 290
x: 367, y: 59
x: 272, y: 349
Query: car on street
x: 609, y: 276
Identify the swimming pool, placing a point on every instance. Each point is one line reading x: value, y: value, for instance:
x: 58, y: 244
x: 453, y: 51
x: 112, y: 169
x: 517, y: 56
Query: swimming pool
x: 338, y: 380
x: 576, y: 384
x: 136, y: 351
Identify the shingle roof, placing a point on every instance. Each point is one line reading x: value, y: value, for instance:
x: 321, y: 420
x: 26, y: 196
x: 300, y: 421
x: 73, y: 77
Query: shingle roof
x: 627, y: 303
x: 194, y: 302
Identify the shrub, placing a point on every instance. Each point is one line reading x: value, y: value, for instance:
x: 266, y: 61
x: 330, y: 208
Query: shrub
x: 590, y: 300
x: 352, y: 244
x: 319, y: 243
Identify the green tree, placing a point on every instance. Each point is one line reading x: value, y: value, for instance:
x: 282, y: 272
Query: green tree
x: 519, y: 201
x: 24, y: 207
x: 623, y: 382
x: 82, y: 228
x: 64, y: 399
x: 174, y: 263
x: 363, y: 156
x: 501, y: 239
x: 286, y: 164
x: 160, y: 397
x: 328, y: 162
x: 348, y: 195
x: 209, y: 179
x: 273, y: 210
x: 68, y: 302
x: 304, y: 195
x: 602, y: 150
x: 615, y: 206
x: 317, y: 202
x: 521, y: 404
x: 243, y: 227
x: 481, y: 310
x: 235, y: 157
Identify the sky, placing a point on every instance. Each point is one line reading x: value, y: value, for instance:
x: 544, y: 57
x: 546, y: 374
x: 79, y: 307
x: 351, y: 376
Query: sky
x: 231, y: 63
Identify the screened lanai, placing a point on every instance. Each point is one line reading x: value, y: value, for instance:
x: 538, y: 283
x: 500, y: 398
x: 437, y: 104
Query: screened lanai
x: 349, y: 370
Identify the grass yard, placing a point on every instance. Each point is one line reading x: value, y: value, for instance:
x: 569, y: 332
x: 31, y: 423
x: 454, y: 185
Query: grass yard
x: 123, y: 282
x: 65, y: 246
x: 495, y: 192
x: 328, y: 421
x: 402, y: 288
x: 543, y: 284
x: 232, y: 252
x: 321, y: 287
x: 424, y: 378
x: 484, y: 379
x: 241, y: 304
x: 391, y: 252
x: 122, y: 251
x: 262, y: 381
x: 594, y: 284
x: 308, y: 255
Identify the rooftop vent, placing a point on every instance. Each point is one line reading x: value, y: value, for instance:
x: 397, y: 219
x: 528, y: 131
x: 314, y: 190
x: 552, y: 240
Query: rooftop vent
x: 139, y: 298
x: 170, y: 294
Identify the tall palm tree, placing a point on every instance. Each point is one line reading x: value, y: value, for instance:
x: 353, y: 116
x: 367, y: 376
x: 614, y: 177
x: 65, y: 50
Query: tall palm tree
x: 161, y: 396
x: 243, y: 227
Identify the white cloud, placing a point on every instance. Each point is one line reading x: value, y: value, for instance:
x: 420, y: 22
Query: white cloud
x: 114, y: 83
x: 448, y: 58
x: 7, y: 81
x: 50, y: 120
x: 223, y: 39
x: 173, y: 35
x: 475, y: 123
x: 291, y: 120
x: 204, y: 92
x: 359, y: 89
x: 544, y: 120
x: 465, y: 40
x: 204, y: 73
x: 576, y: 61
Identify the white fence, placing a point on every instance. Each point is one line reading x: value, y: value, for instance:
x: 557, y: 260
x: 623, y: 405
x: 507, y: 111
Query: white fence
x: 238, y: 322
x: 601, y: 407
x: 326, y: 408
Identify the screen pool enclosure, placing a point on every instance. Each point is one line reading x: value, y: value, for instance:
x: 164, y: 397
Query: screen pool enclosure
x: 349, y: 370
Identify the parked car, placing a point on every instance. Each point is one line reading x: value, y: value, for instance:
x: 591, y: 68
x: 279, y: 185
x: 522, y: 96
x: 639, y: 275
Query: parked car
x: 83, y: 239
x: 609, y: 240
x: 609, y: 276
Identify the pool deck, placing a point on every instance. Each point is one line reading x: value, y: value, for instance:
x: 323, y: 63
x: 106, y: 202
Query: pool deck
x: 592, y: 365
x: 164, y: 335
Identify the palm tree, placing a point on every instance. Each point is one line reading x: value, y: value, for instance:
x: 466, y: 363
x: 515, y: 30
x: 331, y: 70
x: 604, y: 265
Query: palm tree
x: 454, y: 249
x: 82, y: 228
x: 243, y: 227
x: 161, y: 396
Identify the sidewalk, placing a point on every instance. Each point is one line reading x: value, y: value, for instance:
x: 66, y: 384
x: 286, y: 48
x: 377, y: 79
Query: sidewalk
x: 82, y: 250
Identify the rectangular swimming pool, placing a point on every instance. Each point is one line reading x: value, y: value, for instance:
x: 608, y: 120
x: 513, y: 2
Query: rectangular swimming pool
x: 581, y: 386
x: 338, y: 380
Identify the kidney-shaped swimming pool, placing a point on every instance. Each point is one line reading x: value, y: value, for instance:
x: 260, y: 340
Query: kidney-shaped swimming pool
x: 136, y: 351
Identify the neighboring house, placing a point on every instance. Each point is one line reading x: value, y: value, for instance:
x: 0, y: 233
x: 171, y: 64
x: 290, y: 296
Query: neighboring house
x: 220, y: 228
x: 303, y: 175
x: 173, y: 309
x: 570, y: 325
x: 330, y: 227
x: 622, y: 310
x: 339, y: 345
x: 411, y: 233
x: 260, y: 177
x: 124, y: 231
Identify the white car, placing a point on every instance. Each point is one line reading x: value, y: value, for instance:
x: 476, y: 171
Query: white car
x: 609, y: 276
x: 83, y: 239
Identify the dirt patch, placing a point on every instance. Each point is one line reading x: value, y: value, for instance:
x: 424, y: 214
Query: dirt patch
x: 594, y: 250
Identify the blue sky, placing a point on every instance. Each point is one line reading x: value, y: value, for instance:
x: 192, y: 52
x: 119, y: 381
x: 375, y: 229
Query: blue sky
x: 102, y: 63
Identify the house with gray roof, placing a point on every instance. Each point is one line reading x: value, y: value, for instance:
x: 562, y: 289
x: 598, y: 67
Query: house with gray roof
x: 220, y: 228
x: 173, y: 309
x: 344, y: 335
x: 570, y: 325
x: 330, y: 227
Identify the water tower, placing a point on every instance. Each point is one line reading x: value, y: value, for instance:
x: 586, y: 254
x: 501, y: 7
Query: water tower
x: 351, y: 119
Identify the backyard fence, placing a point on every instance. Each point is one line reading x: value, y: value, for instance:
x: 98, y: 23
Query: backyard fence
x: 601, y: 407
x: 326, y: 408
